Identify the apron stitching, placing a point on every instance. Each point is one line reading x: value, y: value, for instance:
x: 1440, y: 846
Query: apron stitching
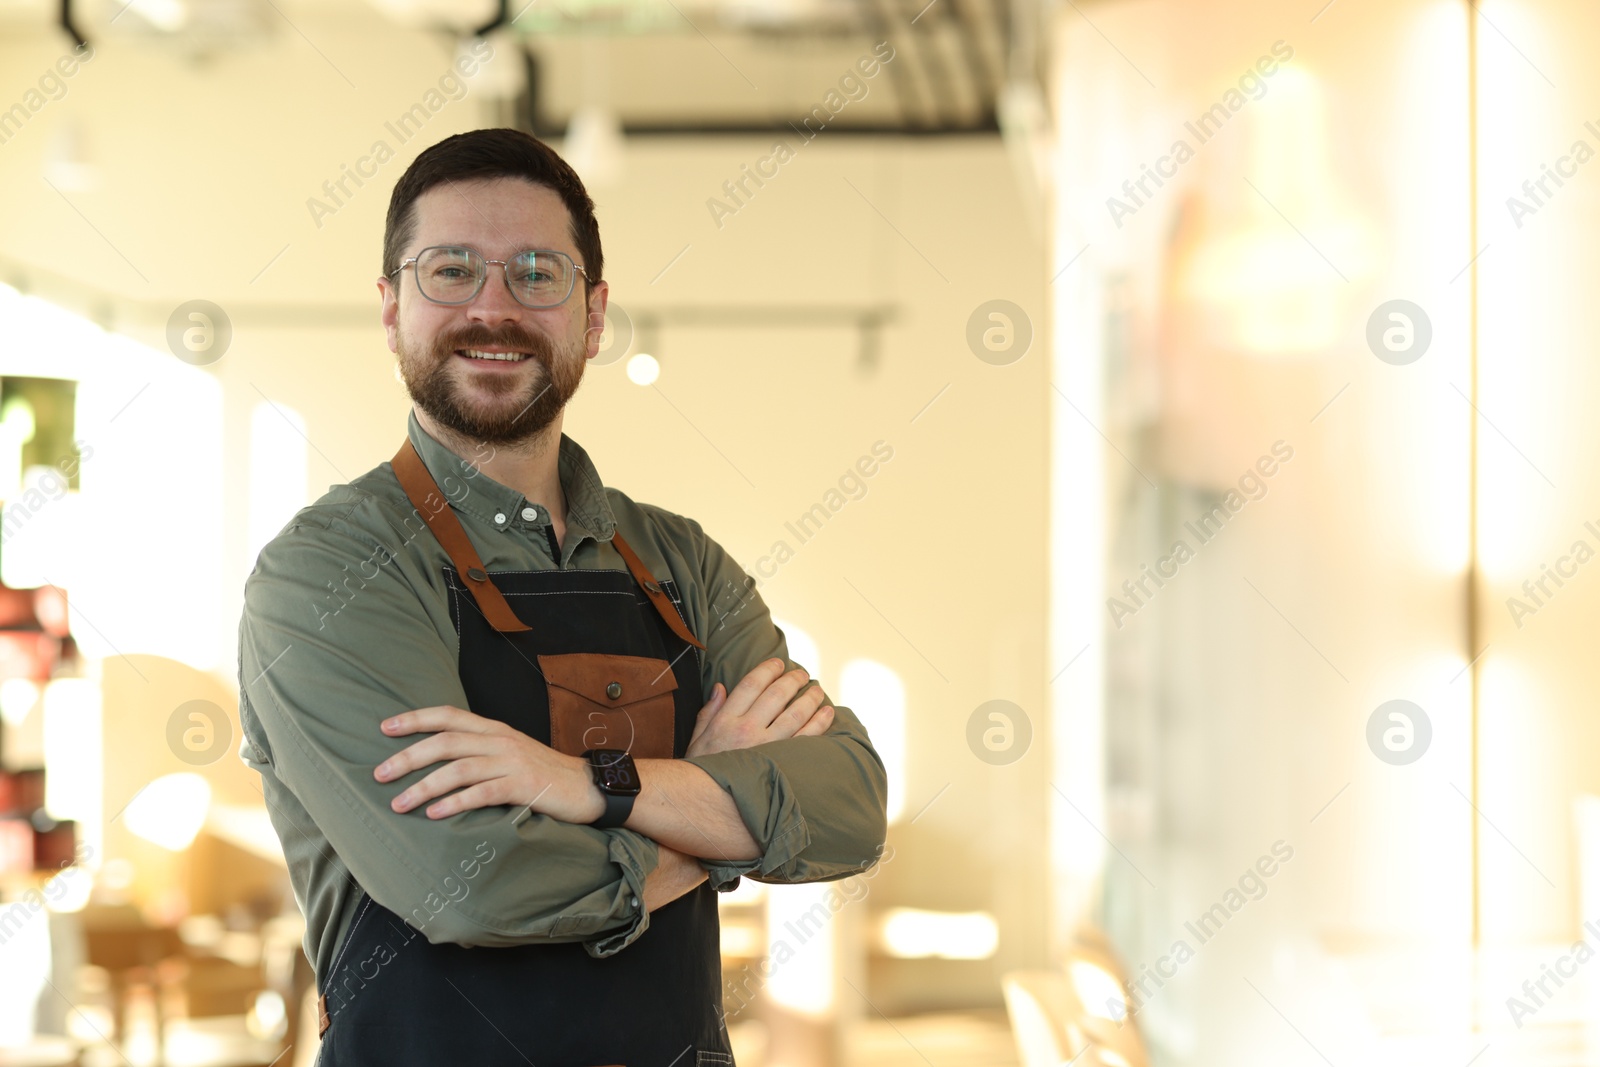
x: 671, y: 589
x: 450, y: 578
x: 577, y: 570
x: 580, y: 592
x: 456, y: 586
x: 455, y: 596
x: 677, y: 604
x: 668, y: 586
x: 508, y: 641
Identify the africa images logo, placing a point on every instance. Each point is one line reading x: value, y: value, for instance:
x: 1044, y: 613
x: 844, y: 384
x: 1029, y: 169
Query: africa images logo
x: 853, y: 88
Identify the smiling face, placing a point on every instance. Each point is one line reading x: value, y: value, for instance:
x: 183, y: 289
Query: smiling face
x: 520, y: 395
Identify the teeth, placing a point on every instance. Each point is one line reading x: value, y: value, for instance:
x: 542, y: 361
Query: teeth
x: 508, y: 356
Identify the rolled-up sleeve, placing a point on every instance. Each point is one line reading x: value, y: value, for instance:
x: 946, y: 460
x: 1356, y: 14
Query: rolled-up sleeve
x: 319, y: 673
x: 816, y: 806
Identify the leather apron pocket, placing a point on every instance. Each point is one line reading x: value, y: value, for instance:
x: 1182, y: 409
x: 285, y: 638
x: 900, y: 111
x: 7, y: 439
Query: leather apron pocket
x: 599, y: 700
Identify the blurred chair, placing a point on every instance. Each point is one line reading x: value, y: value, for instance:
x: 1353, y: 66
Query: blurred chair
x: 1076, y: 1015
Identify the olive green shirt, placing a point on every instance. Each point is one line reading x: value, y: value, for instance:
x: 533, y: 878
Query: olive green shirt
x: 347, y: 622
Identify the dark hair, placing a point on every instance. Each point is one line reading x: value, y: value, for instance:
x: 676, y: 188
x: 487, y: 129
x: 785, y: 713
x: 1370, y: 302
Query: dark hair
x: 497, y: 153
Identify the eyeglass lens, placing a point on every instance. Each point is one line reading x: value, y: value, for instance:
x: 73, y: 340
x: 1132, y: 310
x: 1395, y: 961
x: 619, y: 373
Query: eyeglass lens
x: 453, y: 275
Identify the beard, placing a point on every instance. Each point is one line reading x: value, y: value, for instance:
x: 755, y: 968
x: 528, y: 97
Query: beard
x: 518, y: 407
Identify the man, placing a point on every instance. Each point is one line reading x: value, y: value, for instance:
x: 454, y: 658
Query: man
x: 492, y: 701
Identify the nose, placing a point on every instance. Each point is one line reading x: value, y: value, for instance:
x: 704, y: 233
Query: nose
x: 494, y: 302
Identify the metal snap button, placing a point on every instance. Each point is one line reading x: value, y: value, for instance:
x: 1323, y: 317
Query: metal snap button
x: 614, y: 690
x: 476, y: 574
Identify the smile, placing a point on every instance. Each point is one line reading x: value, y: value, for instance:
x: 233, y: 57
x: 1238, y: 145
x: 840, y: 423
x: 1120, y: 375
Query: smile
x: 506, y: 357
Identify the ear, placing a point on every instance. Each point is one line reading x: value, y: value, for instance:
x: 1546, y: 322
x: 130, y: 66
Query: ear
x: 598, y: 295
x: 390, y: 312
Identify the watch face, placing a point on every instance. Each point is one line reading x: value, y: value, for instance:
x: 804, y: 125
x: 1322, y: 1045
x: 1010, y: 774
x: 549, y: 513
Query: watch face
x: 614, y: 770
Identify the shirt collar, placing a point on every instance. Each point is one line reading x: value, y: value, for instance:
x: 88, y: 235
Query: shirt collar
x: 587, y: 505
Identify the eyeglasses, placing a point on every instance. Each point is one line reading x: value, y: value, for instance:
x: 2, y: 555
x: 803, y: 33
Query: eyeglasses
x: 450, y: 274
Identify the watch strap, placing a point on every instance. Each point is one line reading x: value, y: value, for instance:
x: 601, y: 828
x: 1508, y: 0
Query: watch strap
x: 618, y: 808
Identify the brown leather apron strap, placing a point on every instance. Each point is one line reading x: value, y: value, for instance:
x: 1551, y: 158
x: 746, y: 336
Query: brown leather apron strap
x: 435, y: 511
x: 652, y: 588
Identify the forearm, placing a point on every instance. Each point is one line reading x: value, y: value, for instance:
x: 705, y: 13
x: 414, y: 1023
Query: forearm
x: 486, y: 877
x: 681, y: 807
x: 672, y: 877
x: 815, y: 804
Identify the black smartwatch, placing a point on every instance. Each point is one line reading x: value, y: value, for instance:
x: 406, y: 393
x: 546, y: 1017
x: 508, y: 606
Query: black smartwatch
x: 618, y: 780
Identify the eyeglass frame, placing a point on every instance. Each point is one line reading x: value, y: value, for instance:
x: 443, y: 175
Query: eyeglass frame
x: 505, y: 272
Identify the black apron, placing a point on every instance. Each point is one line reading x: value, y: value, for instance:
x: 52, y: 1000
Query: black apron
x: 576, y: 659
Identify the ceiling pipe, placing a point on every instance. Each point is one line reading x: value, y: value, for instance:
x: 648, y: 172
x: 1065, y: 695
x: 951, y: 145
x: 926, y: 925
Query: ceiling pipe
x: 985, y: 80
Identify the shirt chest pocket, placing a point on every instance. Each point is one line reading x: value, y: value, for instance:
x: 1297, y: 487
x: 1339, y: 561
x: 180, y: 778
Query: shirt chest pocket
x: 599, y: 700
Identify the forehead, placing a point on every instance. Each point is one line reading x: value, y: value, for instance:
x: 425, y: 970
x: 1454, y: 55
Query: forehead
x: 494, y: 216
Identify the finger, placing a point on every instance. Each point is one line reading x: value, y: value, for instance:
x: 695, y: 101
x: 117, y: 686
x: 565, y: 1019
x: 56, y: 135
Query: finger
x: 708, y: 712
x: 770, y: 704
x: 483, y: 795
x: 753, y: 685
x: 712, y: 706
x: 446, y: 746
x: 451, y: 776
x: 819, y: 723
x: 442, y: 717
x: 798, y: 711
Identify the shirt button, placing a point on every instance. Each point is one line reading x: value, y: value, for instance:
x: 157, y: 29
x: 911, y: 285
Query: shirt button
x: 499, y: 516
x: 530, y: 513
x: 633, y: 901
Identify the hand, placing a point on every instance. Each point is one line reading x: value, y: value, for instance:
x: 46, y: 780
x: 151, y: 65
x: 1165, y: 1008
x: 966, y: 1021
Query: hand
x: 489, y: 762
x: 759, y: 710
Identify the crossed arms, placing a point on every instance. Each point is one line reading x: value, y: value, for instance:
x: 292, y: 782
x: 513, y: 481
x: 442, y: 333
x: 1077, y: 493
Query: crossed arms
x: 478, y: 762
x: 777, y: 784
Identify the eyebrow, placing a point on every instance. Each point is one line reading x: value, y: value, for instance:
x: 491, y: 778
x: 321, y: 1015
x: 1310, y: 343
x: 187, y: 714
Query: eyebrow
x: 575, y: 254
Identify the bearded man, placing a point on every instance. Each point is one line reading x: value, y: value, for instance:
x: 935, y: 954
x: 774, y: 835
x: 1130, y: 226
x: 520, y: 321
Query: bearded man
x: 515, y: 729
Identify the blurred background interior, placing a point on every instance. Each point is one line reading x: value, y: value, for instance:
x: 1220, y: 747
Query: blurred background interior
x: 1225, y: 353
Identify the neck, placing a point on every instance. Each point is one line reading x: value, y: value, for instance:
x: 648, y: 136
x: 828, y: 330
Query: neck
x: 530, y: 466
